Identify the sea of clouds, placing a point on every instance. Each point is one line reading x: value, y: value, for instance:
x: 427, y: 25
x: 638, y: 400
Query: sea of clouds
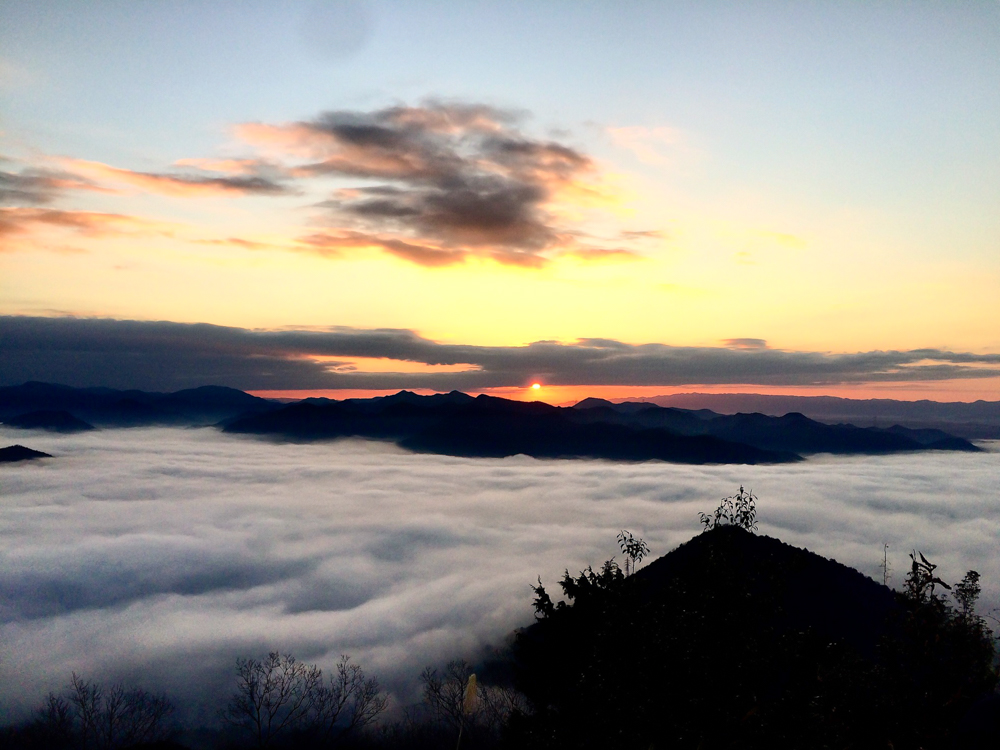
x: 159, y: 556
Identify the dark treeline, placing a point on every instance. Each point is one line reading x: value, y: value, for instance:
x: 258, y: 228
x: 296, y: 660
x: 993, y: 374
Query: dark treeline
x: 733, y: 640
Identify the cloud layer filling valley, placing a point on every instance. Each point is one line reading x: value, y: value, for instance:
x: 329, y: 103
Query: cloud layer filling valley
x: 160, y: 555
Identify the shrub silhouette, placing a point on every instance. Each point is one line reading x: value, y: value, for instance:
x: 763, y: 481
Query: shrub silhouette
x: 278, y: 697
x: 738, y: 510
x: 633, y: 548
x: 104, y: 717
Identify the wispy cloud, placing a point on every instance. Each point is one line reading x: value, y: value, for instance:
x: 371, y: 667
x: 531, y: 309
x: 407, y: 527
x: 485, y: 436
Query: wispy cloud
x: 334, y: 244
x: 39, y: 186
x: 745, y: 343
x: 598, y: 255
x: 178, y: 185
x: 435, y: 184
x: 169, y: 356
x: 91, y: 223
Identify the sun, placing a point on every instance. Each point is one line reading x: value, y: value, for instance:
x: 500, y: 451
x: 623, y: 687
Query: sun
x: 536, y: 386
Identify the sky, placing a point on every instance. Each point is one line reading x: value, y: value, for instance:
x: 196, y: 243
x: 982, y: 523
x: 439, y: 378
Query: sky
x: 618, y: 199
x: 159, y: 556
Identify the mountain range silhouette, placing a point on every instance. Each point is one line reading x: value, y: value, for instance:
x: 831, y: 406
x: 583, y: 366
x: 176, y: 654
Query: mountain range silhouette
x: 457, y: 424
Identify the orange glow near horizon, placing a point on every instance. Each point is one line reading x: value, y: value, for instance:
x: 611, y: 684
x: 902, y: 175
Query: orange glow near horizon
x: 985, y: 389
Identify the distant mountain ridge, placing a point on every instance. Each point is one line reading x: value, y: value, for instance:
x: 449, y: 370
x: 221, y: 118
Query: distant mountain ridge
x: 977, y: 420
x: 106, y: 407
x: 793, y: 431
x: 460, y: 425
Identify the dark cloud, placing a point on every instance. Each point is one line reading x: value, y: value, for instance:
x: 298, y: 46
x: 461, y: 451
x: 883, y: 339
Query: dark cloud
x: 434, y: 184
x: 37, y: 187
x: 247, y: 184
x: 170, y: 356
x: 458, y: 178
x: 26, y: 188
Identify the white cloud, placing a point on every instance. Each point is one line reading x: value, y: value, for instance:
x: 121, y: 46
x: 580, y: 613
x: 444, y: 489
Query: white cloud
x: 161, y: 555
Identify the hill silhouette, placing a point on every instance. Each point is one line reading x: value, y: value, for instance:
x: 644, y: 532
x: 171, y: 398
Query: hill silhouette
x: 14, y: 453
x: 459, y: 425
x: 793, y: 431
x: 741, y: 641
x: 977, y: 420
x: 108, y: 407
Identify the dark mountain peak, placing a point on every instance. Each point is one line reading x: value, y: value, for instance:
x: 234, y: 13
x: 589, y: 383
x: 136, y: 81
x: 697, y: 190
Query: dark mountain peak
x: 591, y: 403
x: 452, y: 397
x: 513, y: 406
x: 13, y: 453
x: 213, y: 395
x: 795, y: 416
x: 408, y: 396
x: 52, y: 420
x: 810, y: 590
x: 623, y: 407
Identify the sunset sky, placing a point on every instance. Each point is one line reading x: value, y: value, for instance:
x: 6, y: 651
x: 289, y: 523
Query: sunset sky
x: 619, y: 199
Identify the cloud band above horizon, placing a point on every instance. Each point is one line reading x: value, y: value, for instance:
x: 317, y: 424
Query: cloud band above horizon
x: 161, y: 355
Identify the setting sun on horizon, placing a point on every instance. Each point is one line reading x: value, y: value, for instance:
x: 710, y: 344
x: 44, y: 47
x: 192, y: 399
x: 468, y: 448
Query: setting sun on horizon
x: 754, y: 210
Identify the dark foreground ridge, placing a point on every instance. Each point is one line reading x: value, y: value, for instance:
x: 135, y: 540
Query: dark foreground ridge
x: 14, y: 453
x: 741, y: 641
